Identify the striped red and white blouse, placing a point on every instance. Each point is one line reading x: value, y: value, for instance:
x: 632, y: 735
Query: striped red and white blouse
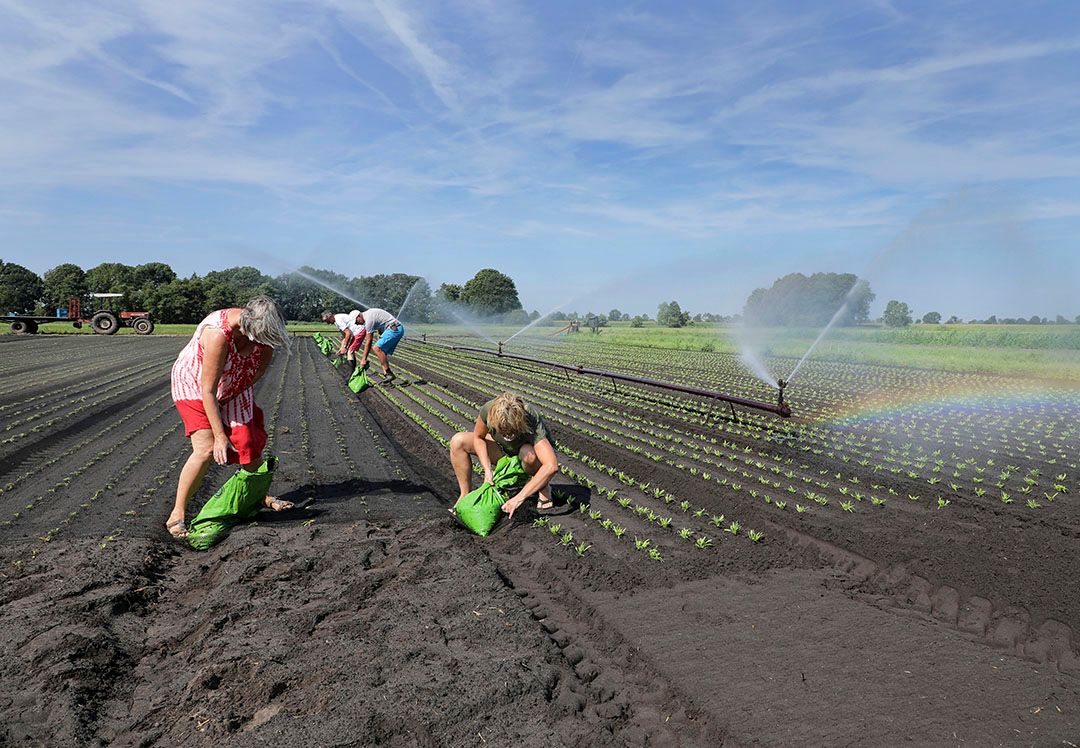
x: 236, y: 381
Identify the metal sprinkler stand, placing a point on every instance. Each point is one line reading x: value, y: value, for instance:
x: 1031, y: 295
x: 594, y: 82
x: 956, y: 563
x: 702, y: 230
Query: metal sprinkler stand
x: 784, y: 408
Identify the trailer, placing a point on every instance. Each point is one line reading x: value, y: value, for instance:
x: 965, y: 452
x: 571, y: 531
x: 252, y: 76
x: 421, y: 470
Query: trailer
x: 104, y: 320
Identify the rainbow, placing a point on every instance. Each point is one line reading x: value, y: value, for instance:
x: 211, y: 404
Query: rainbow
x: 991, y: 396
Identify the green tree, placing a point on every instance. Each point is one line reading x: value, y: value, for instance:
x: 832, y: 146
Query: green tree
x: 61, y: 283
x: 490, y: 292
x: 637, y: 321
x: 305, y: 300
x: 111, y: 277
x: 182, y: 301
x: 800, y: 300
x: 932, y: 318
x: 897, y: 314
x: 20, y: 289
x: 671, y: 315
x: 615, y: 315
x: 390, y: 292
x: 152, y: 273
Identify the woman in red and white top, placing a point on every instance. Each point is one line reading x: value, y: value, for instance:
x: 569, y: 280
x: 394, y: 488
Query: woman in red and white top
x: 213, y: 388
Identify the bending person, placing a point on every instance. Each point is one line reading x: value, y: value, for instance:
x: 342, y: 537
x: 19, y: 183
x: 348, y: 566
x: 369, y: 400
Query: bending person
x: 507, y: 426
x: 390, y: 331
x: 212, y: 386
x: 352, y: 333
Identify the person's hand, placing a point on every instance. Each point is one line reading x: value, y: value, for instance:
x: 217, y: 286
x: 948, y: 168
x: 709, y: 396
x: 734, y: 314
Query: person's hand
x: 363, y: 362
x: 511, y: 505
x: 488, y: 477
x: 222, y: 445
x: 341, y: 350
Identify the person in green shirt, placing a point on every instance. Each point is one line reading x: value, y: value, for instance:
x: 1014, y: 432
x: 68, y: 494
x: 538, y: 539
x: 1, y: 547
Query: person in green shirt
x: 507, y: 426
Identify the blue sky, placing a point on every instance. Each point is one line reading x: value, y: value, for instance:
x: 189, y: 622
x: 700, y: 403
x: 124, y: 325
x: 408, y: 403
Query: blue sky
x: 602, y: 154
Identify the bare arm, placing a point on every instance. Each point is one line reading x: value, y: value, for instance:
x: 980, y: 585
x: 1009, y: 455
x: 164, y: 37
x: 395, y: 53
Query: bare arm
x: 480, y: 446
x: 549, y: 465
x: 369, y: 338
x: 346, y: 336
x: 215, y: 353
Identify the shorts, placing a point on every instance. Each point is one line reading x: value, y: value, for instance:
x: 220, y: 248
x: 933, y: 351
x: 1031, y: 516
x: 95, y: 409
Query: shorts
x: 355, y: 342
x: 248, y: 439
x: 390, y: 338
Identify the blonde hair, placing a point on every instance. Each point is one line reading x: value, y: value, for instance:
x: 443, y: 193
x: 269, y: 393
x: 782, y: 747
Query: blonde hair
x: 507, y: 415
x: 263, y: 319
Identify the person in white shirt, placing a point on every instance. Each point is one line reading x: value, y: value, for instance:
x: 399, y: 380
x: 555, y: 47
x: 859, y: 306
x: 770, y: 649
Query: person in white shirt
x: 390, y: 331
x: 352, y: 333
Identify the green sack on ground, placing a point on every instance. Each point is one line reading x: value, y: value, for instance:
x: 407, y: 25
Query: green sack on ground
x: 479, y: 510
x: 338, y: 361
x: 326, y: 346
x: 359, y: 381
x: 239, y: 499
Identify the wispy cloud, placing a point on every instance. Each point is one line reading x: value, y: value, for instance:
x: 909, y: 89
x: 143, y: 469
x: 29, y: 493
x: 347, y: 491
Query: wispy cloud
x: 527, y: 127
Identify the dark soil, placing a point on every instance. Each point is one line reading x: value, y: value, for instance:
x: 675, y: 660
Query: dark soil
x: 369, y: 617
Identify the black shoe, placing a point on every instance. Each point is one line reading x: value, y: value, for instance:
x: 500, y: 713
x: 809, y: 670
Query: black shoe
x: 389, y: 377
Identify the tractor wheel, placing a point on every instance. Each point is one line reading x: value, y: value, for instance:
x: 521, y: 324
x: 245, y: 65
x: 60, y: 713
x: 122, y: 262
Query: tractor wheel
x: 23, y: 327
x: 142, y: 326
x: 105, y: 323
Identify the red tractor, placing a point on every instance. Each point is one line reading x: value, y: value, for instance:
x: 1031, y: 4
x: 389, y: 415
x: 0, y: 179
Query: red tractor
x: 104, y: 321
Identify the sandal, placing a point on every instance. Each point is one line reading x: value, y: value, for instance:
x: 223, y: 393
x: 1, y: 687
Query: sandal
x: 278, y: 505
x: 177, y: 529
x: 543, y: 506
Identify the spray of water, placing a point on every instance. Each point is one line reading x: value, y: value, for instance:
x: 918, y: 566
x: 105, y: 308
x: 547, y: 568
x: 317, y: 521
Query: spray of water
x: 757, y: 366
x: 964, y: 208
x: 329, y: 287
x: 858, y: 288
x: 536, y: 321
x: 409, y: 296
x: 468, y: 321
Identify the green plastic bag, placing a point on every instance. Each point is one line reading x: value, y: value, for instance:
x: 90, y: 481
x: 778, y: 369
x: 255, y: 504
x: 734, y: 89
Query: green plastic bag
x: 325, y: 344
x: 481, y: 509
x: 338, y: 361
x: 239, y: 499
x: 359, y: 381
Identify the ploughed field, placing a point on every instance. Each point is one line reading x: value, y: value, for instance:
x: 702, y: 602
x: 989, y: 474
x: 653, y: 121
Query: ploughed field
x: 897, y: 563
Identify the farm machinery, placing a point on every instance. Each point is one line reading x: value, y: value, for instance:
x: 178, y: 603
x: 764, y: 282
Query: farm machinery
x: 99, y: 312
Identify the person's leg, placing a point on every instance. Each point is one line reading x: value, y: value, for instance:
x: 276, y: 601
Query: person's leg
x: 354, y: 346
x: 462, y: 450
x: 385, y: 346
x: 384, y: 362
x: 531, y: 464
x: 202, y: 453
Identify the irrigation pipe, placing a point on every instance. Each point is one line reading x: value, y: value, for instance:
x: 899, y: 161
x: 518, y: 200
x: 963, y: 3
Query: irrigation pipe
x: 780, y: 408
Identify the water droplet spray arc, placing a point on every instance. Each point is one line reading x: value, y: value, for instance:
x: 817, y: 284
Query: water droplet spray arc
x: 536, y: 321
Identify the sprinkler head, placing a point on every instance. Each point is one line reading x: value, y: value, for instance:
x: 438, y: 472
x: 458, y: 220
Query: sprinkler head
x: 500, y: 347
x: 785, y: 409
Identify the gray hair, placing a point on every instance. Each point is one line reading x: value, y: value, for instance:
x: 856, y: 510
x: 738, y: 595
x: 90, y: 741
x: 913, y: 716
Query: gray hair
x: 264, y: 321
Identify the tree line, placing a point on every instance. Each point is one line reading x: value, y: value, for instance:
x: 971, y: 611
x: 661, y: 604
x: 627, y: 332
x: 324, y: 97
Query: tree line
x: 795, y: 299
x: 155, y: 287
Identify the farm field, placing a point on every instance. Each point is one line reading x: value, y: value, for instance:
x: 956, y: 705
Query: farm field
x: 895, y: 563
